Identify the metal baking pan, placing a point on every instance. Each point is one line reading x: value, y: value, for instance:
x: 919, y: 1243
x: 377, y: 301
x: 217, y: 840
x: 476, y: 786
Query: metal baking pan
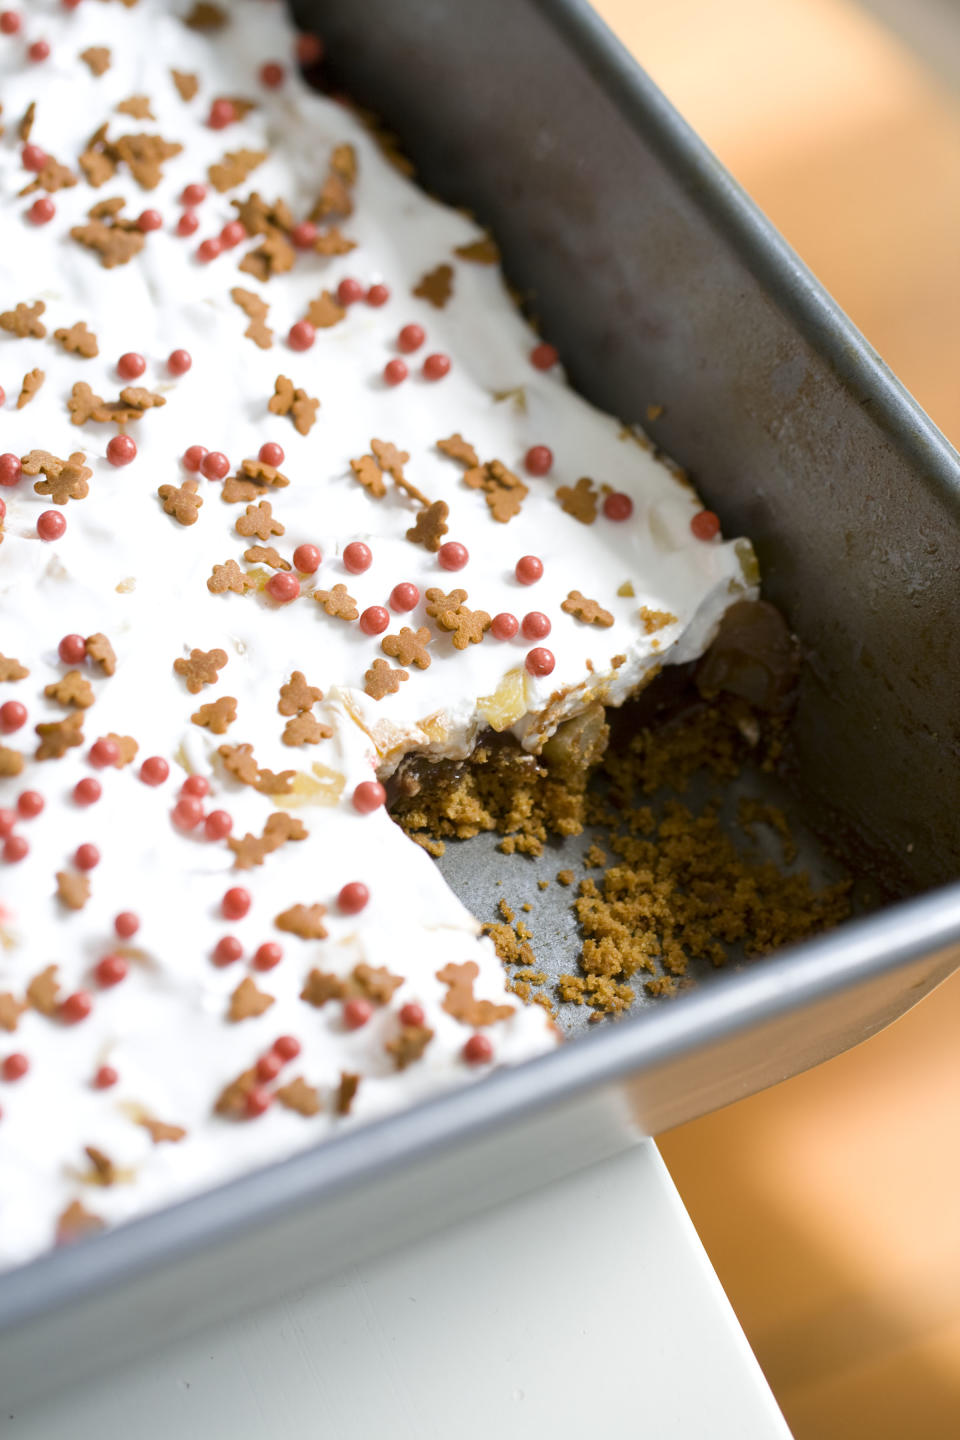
x: 660, y: 282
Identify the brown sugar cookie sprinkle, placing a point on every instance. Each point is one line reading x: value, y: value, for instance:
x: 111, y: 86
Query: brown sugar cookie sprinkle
x: 73, y: 889
x: 256, y: 311
x: 258, y: 520
x: 230, y: 577
x: 439, y: 603
x: 589, y: 611
x: 296, y: 695
x: 504, y: 491
x: 259, y: 217
x: 217, y: 716
x: 78, y: 340
x: 182, y: 501
x: 334, y: 199
x: 202, y: 668
x: 32, y: 382
x: 468, y: 626
x: 252, y: 850
x: 233, y: 1097
x: 303, y: 920
x: 382, y: 680
x: 654, y: 620
x: 104, y: 1172
x: 205, y: 17
x: 377, y: 984
x: 436, y: 286
x: 331, y: 242
x: 408, y: 646
x: 402, y: 483
x: 408, y: 1045
x: 52, y: 177
x: 75, y: 1222
x: 102, y: 653
x: 239, y: 762
x: 324, y: 312
x: 247, y: 1002
x: 71, y: 689
x: 460, y: 450
x: 271, y: 782
x: 161, y: 1133
x: 370, y: 476
x: 11, y: 669
x: 263, y: 473
x: 10, y: 1011
x: 346, y: 1092
x: 460, y: 1001
x: 59, y: 736
x: 25, y: 128
x: 288, y: 400
x: 234, y: 491
x: 480, y: 252
x: 431, y: 526
x: 337, y: 602
x: 24, y: 320
x: 137, y: 106
x: 11, y: 763
x: 305, y: 730
x: 127, y: 749
x: 186, y: 84
x: 580, y: 501
x: 85, y: 405
x: 97, y: 59
x: 389, y: 457
x: 43, y: 992
x: 266, y: 555
x: 65, y: 479
x: 275, y: 256
x: 234, y: 168
x: 320, y: 987
x: 299, y: 1096
x: 116, y: 241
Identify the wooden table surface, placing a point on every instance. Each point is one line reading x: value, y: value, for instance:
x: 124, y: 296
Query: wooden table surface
x: 830, y: 1204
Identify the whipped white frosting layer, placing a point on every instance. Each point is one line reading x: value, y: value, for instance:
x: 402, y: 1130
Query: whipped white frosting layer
x: 127, y: 569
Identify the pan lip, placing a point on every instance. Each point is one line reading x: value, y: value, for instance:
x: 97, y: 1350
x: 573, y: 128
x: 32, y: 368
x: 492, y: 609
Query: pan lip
x: 818, y: 969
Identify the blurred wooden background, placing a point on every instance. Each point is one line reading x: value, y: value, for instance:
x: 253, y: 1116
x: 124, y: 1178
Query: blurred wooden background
x: 830, y: 1205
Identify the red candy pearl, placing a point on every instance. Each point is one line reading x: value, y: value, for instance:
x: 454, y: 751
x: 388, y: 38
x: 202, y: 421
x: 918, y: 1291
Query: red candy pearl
x: 215, y: 465
x: 110, y: 970
x: 543, y: 356
x: 126, y: 924
x: 154, y: 770
x: 232, y: 233
x: 217, y: 825
x: 395, y: 372
x: 30, y: 805
x: 222, y: 114
x: 287, y: 1047
x: 272, y: 75
x: 478, y: 1050
x: 452, y: 556
x: 356, y: 1013
x: 374, y: 620
x: 504, y: 626
x: 353, y: 897
x: 15, y: 849
x: 404, y: 597
x: 194, y: 194
x: 369, y: 796
x: 267, y: 955
x: 283, y: 587
x: 301, y: 336
x: 535, y: 626
x: 529, y: 569
x: 39, y: 50
x: 187, y: 813
x: 618, y: 506
x: 306, y: 559
x: 8, y: 818
x: 131, y: 365
x: 197, y: 785
x: 357, y: 557
x: 193, y: 457
x: 412, y: 1014
x: 436, y: 366
x: 33, y: 158
x: 87, y: 791
x: 51, y: 525
x: 86, y: 857
x: 188, y: 224
x: 10, y: 469
x: 9, y: 22
x: 14, y: 1067
x: 42, y: 210
x: 349, y: 291
x: 76, y: 1007
x: 538, y: 460
x: 309, y: 48
x: 12, y: 715
x: 236, y: 902
x: 705, y: 525
x: 149, y: 220
x: 271, y: 453
x: 377, y: 295
x: 227, y: 951
x: 209, y: 249
x: 257, y: 1102
x: 72, y: 649
x: 304, y: 234
x: 179, y: 362
x: 3, y: 503
x: 105, y: 1077
x: 269, y: 1067
x: 121, y: 450
x: 540, y: 662
x: 411, y: 337
x: 104, y: 752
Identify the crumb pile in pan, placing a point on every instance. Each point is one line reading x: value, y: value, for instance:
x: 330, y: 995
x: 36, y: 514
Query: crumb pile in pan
x: 294, y: 500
